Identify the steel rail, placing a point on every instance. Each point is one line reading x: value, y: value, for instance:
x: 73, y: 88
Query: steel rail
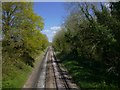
x: 61, y: 73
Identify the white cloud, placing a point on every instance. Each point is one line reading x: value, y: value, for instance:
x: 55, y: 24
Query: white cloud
x: 55, y: 28
x: 46, y: 30
x: 54, y: 32
x: 50, y: 32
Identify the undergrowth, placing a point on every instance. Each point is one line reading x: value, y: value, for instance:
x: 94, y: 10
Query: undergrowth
x: 15, y: 74
x: 88, y: 75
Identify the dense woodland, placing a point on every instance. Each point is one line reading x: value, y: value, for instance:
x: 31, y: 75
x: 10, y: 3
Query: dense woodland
x: 22, y: 41
x: 89, y: 44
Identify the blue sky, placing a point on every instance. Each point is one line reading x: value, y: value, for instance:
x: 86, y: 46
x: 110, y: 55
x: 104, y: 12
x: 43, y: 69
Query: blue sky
x: 53, y: 14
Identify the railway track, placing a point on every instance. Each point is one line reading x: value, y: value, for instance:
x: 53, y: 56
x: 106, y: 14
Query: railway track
x: 53, y: 75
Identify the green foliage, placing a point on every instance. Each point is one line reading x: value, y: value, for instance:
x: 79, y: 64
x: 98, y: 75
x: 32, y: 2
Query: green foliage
x: 92, y: 33
x: 86, y: 76
x: 14, y: 75
x: 21, y: 30
x: 115, y: 9
x: 59, y: 42
x: 22, y: 38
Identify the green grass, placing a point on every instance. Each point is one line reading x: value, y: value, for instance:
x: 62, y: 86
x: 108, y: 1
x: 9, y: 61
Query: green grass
x: 16, y: 74
x: 15, y: 77
x: 86, y: 76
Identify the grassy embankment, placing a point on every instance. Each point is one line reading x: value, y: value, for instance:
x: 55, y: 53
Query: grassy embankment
x: 15, y: 74
x: 88, y: 75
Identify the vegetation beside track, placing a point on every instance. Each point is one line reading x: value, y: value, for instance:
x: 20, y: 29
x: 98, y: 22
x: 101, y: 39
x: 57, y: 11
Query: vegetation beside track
x: 89, y: 44
x: 22, y: 42
x: 88, y: 75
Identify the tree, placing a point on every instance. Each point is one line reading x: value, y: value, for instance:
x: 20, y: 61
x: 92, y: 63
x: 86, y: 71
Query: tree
x: 21, y: 31
x: 92, y: 32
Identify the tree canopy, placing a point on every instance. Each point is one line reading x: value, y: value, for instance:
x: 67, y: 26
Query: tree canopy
x: 22, y: 30
x: 92, y: 32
